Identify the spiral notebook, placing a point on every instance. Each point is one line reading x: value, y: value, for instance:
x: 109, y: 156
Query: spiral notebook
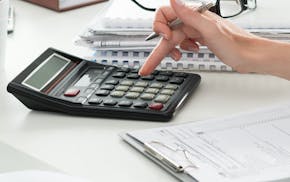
x: 254, y: 146
x: 202, y: 61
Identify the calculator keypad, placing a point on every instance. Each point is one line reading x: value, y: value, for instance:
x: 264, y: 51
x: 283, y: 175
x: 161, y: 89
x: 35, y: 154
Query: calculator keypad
x: 123, y: 87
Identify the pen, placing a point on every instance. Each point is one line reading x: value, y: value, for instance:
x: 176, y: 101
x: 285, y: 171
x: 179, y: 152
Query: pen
x: 10, y: 26
x: 169, y: 163
x: 204, y: 7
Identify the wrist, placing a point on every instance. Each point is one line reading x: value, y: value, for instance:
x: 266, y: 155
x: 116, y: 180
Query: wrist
x: 270, y: 57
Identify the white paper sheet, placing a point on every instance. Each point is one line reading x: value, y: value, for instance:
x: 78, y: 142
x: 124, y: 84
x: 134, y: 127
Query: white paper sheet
x: 250, y: 147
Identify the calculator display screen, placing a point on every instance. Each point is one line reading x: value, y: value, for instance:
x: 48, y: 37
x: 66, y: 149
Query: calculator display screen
x: 88, y: 77
x: 46, y: 72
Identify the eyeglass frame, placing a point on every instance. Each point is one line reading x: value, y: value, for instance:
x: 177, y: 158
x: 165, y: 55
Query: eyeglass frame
x: 244, y: 6
x: 215, y: 9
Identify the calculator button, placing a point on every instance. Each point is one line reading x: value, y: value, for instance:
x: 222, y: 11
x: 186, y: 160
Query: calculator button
x: 180, y: 74
x: 171, y: 86
x: 110, y: 102
x: 152, y: 90
x: 102, y: 92
x: 140, y: 105
x: 125, y: 103
x: 127, y: 83
x: 107, y: 87
x: 167, y: 92
x: 95, y: 101
x: 72, y: 92
x: 162, y: 98
x: 89, y: 91
x: 156, y: 85
x: 123, y: 69
x: 119, y: 75
x: 156, y: 106
x: 141, y: 84
x: 134, y: 71
x: 166, y: 73
x: 155, y: 72
x: 112, y: 82
x: 132, y: 95
x: 105, y: 73
x: 81, y: 99
x: 133, y: 76
x: 117, y: 94
x: 162, y: 78
x: 94, y: 85
x: 137, y: 89
x: 110, y: 68
x: 122, y: 88
x: 149, y: 77
x: 98, y: 81
x: 147, y: 96
x: 176, y: 80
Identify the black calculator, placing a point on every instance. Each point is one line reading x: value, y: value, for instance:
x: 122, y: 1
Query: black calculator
x: 59, y: 82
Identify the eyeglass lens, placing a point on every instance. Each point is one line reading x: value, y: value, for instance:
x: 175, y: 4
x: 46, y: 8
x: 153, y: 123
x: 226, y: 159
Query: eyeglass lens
x: 230, y: 8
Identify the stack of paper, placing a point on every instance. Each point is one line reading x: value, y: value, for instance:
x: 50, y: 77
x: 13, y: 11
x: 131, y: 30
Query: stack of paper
x: 125, y: 26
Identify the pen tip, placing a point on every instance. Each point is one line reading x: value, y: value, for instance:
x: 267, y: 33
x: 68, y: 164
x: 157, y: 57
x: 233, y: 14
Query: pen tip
x: 151, y: 36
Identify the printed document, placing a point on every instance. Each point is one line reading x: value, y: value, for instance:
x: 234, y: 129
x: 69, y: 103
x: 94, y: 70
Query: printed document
x: 248, y: 147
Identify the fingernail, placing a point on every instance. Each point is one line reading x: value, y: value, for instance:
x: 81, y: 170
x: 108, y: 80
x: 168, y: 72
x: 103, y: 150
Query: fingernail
x: 174, y: 56
x: 179, y: 2
x: 140, y: 72
x: 164, y: 36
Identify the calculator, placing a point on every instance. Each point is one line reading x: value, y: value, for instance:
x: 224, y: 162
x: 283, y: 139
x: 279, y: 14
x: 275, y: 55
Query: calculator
x: 59, y: 82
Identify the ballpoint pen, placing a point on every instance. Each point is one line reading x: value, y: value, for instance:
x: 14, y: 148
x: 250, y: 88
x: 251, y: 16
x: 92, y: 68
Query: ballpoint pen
x: 204, y: 7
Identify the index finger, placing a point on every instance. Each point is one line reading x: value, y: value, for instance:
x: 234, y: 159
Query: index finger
x: 159, y: 52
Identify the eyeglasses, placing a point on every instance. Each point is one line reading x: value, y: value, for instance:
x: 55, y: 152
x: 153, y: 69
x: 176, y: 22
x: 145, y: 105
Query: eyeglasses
x: 223, y: 8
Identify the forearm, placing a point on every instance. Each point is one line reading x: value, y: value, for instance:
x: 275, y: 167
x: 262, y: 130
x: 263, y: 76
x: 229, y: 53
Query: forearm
x: 271, y: 57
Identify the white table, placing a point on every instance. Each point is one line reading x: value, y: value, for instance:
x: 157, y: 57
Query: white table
x: 91, y: 147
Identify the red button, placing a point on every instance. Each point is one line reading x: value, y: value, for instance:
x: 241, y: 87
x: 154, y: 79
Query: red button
x: 156, y: 106
x: 72, y: 92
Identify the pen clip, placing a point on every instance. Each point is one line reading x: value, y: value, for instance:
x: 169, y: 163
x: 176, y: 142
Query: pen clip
x: 163, y: 159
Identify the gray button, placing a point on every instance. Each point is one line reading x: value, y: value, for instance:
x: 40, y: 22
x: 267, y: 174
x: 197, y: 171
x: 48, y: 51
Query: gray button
x: 137, y: 89
x: 156, y: 85
x: 127, y: 82
x: 171, y: 86
x: 98, y: 80
x: 117, y: 94
x: 122, y: 88
x: 141, y: 84
x: 94, y: 85
x: 162, y: 98
x: 81, y: 99
x: 110, y: 102
x: 89, y: 91
x: 167, y: 92
x: 152, y: 90
x: 147, y: 96
x: 132, y: 95
x: 95, y: 100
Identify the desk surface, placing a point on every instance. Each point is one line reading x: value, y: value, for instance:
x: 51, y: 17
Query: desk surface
x: 91, y: 147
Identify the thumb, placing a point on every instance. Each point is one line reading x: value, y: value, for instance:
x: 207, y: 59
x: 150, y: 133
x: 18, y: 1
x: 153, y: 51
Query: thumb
x: 189, y: 15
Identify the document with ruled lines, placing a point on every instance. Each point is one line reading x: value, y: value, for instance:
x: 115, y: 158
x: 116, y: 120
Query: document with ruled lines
x: 249, y: 147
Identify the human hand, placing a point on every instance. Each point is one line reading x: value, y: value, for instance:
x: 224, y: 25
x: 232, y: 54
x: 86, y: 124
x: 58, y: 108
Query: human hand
x: 228, y: 42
